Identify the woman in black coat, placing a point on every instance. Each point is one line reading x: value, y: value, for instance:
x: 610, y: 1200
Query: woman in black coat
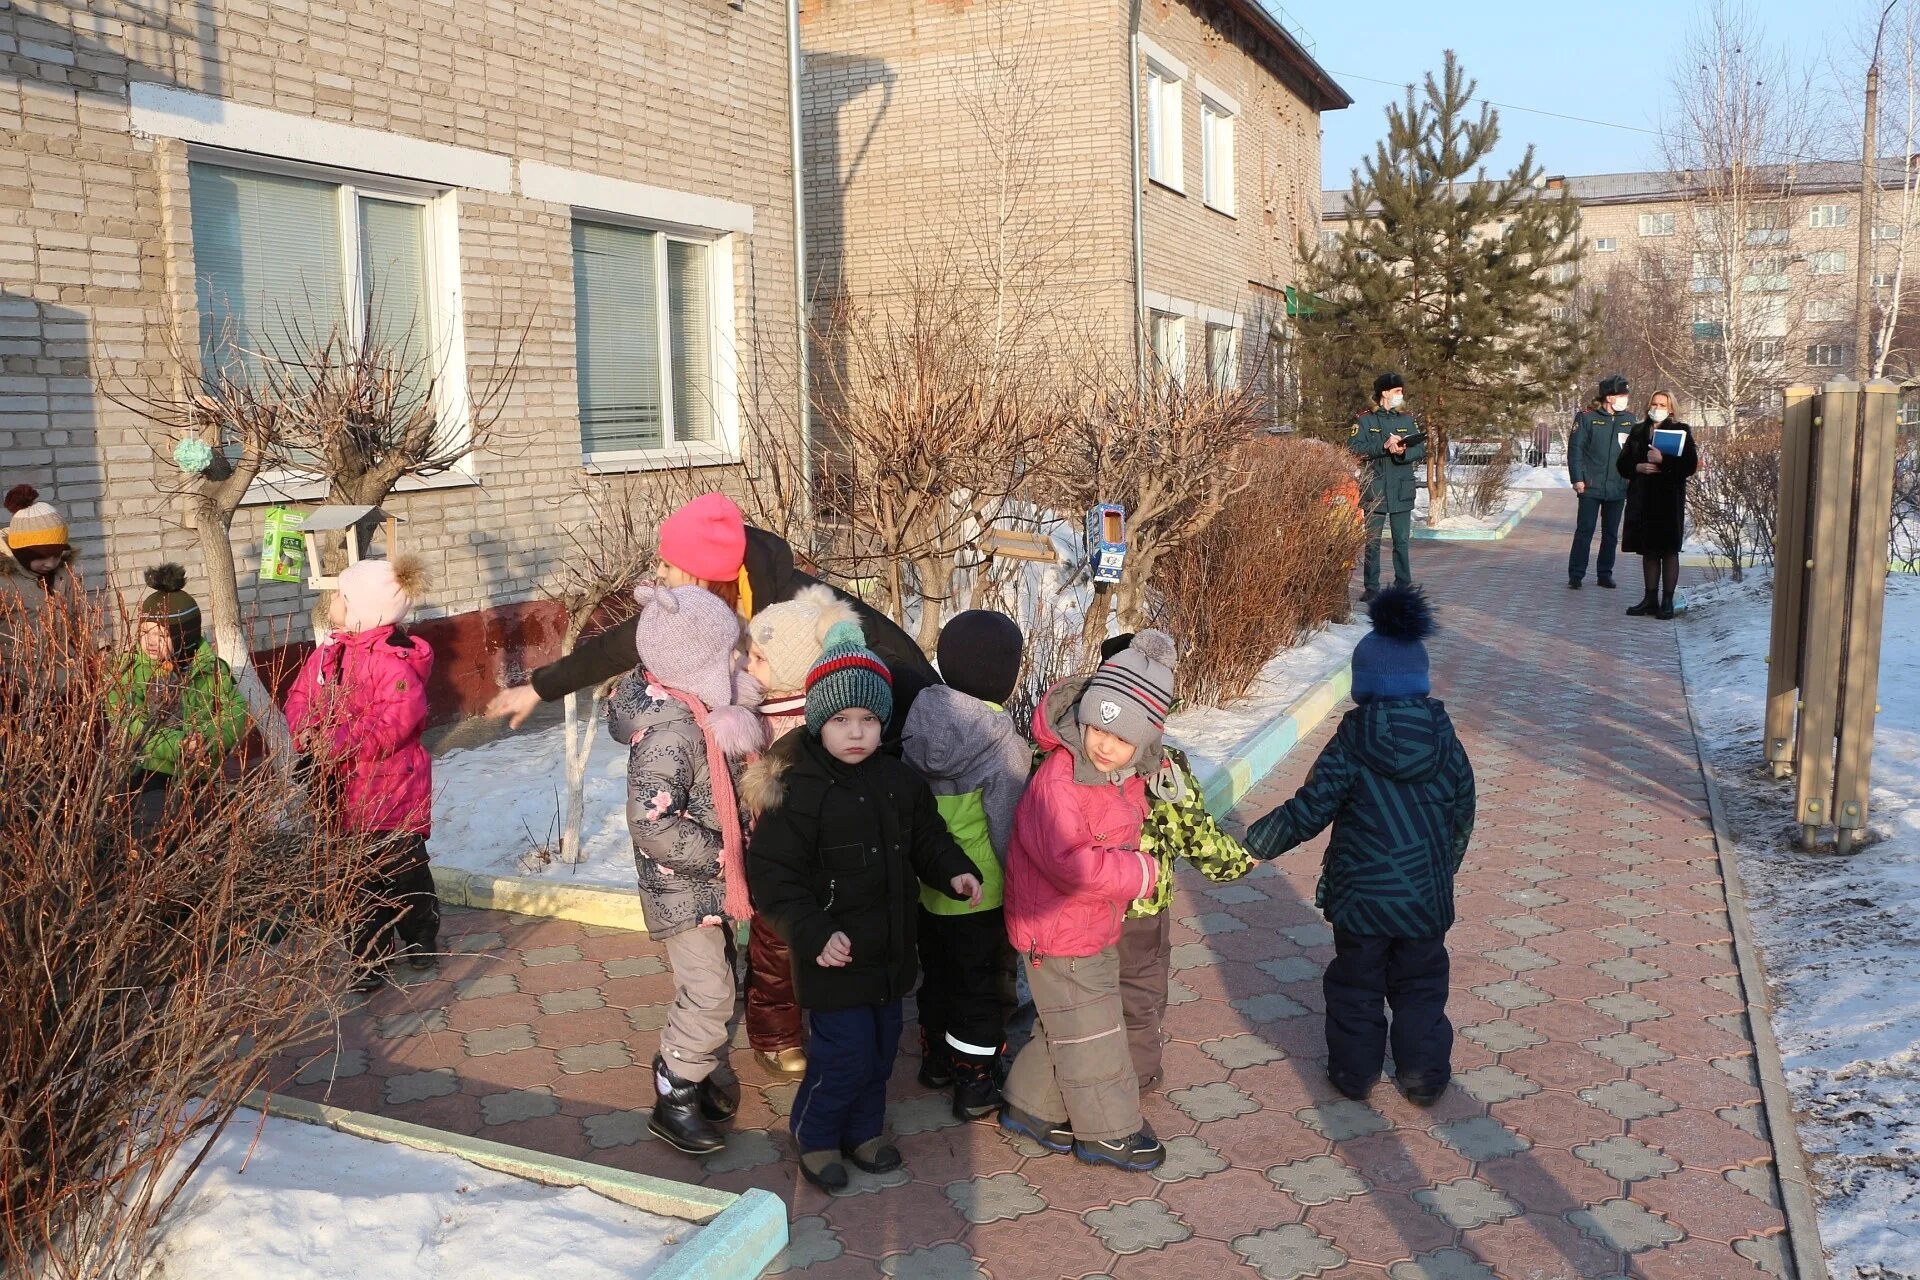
x: 1656, y: 519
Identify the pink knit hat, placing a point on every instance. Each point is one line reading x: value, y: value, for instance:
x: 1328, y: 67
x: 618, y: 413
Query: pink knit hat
x: 379, y: 593
x: 706, y: 538
x: 689, y: 639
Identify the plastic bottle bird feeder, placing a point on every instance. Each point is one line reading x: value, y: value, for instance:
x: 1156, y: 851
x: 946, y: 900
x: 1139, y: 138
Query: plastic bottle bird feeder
x: 331, y: 526
x: 1107, y: 542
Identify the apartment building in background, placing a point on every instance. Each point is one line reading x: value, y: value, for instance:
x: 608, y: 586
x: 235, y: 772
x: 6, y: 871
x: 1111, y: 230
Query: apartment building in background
x: 607, y: 185
x: 925, y: 123
x: 1789, y: 270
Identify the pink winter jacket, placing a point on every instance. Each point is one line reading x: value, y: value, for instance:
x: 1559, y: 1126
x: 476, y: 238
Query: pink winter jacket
x: 1075, y: 863
x: 359, y: 704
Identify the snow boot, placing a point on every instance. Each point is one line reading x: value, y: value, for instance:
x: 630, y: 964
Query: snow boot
x: 720, y: 1095
x: 936, y: 1067
x: 677, y: 1118
x: 976, y: 1088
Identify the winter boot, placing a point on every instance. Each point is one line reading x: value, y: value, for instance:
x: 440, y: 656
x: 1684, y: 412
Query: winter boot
x: 1142, y: 1153
x: 1666, y: 611
x: 1608, y: 584
x: 1647, y: 607
x: 976, y: 1088
x: 677, y: 1118
x: 875, y: 1155
x: 936, y: 1067
x: 1054, y: 1135
x: 720, y: 1095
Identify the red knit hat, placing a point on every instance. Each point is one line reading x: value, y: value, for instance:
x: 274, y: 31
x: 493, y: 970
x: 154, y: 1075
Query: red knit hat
x: 706, y: 538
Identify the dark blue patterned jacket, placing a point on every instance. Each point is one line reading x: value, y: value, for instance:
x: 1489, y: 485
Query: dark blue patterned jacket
x: 1398, y: 788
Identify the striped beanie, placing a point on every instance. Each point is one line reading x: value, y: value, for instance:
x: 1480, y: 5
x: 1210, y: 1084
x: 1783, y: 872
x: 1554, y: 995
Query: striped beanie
x: 1131, y: 693
x: 847, y: 675
x: 33, y: 523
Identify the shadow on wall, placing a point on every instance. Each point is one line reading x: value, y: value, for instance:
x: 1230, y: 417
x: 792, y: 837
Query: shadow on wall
x: 49, y: 429
x: 170, y: 42
x: 836, y: 152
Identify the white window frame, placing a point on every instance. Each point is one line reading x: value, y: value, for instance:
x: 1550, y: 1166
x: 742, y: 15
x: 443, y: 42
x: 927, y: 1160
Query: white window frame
x: 1826, y: 355
x: 1606, y: 244
x: 1886, y: 231
x: 1172, y: 363
x: 1825, y: 311
x: 1217, y: 169
x: 1830, y: 216
x: 724, y: 449
x: 445, y: 312
x: 1166, y: 161
x: 1657, y: 224
x: 1223, y: 377
x: 1828, y: 262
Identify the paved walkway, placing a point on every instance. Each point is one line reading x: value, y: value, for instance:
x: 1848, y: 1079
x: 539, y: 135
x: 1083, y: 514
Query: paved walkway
x: 1605, y: 1121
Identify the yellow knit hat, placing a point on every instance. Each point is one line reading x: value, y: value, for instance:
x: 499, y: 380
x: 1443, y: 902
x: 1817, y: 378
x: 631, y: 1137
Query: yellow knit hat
x: 34, y: 523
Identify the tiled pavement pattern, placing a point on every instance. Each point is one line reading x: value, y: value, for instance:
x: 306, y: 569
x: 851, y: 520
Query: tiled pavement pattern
x: 1606, y: 1120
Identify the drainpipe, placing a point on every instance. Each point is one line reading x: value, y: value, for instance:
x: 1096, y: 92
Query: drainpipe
x: 1139, y: 229
x: 802, y: 302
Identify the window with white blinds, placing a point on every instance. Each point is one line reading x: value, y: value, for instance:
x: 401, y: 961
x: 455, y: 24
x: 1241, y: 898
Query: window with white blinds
x: 645, y: 333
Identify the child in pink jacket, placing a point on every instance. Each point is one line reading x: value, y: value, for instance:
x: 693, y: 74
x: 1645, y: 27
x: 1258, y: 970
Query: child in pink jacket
x: 1074, y: 866
x: 357, y: 708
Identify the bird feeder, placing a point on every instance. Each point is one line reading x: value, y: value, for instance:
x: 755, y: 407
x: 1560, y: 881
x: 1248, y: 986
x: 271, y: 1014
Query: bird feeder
x: 1107, y: 542
x: 331, y: 526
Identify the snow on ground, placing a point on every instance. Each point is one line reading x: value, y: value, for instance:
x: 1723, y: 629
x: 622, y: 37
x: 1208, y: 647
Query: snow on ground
x: 1841, y: 936
x: 1212, y: 736
x: 1541, y: 478
x: 1459, y: 520
x: 309, y: 1202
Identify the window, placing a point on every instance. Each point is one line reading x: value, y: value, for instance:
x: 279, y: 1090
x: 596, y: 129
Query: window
x: 1766, y: 317
x: 1330, y: 241
x: 1605, y: 244
x: 1706, y: 284
x: 1767, y: 350
x: 1706, y: 222
x: 1828, y: 262
x: 1827, y: 355
x: 1656, y: 224
x: 1170, y: 344
x: 1223, y: 366
x: 1909, y: 409
x: 645, y: 329
x: 1886, y: 231
x: 282, y: 263
x: 1562, y: 272
x: 1882, y: 280
x: 1829, y: 215
x: 1164, y: 163
x: 1766, y: 225
x: 1825, y: 311
x: 1766, y: 273
x: 1216, y: 155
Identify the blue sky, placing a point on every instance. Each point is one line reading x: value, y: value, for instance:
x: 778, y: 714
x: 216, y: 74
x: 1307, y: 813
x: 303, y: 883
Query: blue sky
x: 1602, y: 59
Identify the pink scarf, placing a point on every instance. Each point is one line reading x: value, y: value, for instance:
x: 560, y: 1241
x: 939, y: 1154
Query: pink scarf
x: 726, y: 807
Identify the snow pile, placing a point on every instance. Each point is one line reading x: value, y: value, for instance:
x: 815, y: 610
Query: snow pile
x: 493, y: 804
x: 1841, y: 935
x: 1541, y: 478
x: 307, y: 1201
x: 1458, y: 520
x: 1213, y: 736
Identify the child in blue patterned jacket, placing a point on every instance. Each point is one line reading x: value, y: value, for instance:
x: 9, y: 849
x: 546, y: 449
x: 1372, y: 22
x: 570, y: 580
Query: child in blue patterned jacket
x: 1397, y: 787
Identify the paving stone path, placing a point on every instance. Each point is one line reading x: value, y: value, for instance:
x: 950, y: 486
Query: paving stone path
x: 1606, y: 1118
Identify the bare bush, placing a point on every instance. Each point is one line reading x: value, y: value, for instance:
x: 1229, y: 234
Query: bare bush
x: 1733, y: 499
x: 1269, y: 571
x: 1483, y: 487
x: 154, y: 958
x: 1903, y: 522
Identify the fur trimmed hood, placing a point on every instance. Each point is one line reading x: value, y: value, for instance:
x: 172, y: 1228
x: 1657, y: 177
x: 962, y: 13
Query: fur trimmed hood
x: 763, y: 784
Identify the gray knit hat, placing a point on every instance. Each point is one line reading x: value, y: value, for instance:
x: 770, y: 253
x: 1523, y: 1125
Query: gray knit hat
x: 1131, y: 693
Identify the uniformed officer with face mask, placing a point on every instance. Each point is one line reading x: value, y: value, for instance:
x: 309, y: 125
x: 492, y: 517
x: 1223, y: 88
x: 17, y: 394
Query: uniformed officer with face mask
x: 1592, y: 450
x: 1380, y: 438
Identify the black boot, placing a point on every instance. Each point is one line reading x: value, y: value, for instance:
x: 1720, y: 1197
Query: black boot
x: 1607, y: 584
x: 936, y: 1068
x: 1647, y: 607
x: 720, y: 1095
x: 677, y: 1118
x: 1665, y: 612
x: 976, y: 1089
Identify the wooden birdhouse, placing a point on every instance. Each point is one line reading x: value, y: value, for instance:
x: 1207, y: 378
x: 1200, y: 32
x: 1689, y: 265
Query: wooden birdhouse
x: 328, y: 528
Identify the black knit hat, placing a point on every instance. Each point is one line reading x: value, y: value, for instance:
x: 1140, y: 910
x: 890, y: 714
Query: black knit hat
x: 1614, y: 384
x: 980, y: 653
x: 1388, y: 381
x: 1113, y: 646
x: 171, y: 606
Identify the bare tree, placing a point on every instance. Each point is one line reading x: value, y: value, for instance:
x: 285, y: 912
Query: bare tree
x: 1740, y: 124
x: 1890, y: 230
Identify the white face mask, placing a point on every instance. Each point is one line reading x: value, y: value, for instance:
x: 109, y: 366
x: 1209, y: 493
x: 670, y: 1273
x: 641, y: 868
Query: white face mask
x: 1618, y: 404
x: 1658, y: 415
x: 1391, y: 400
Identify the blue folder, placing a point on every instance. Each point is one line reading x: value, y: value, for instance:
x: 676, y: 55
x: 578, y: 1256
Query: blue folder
x: 1670, y: 442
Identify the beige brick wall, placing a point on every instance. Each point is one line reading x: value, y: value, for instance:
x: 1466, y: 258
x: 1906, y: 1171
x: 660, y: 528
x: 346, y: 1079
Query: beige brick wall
x: 96, y: 236
x: 901, y: 165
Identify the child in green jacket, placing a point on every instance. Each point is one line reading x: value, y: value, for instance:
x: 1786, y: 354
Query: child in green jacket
x: 173, y: 696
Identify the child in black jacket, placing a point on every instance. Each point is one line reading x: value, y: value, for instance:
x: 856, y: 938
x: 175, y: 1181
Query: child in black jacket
x: 845, y: 838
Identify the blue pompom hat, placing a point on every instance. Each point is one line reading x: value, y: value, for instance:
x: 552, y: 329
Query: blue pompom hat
x: 847, y: 675
x: 1391, y: 662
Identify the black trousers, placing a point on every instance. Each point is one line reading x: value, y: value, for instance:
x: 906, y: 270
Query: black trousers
x: 1607, y: 516
x: 401, y: 902
x: 842, y: 1100
x: 966, y: 967
x: 1371, y: 975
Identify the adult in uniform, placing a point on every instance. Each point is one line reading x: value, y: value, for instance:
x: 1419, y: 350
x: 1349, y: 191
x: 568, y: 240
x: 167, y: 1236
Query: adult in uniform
x: 1380, y: 440
x: 1592, y: 450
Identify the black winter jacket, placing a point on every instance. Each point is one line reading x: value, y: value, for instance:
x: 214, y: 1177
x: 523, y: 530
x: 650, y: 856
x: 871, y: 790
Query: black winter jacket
x: 844, y: 849
x: 774, y: 579
x: 1656, y: 519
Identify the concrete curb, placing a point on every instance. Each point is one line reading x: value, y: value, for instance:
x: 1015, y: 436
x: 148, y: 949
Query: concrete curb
x: 530, y: 896
x: 739, y: 1234
x: 1512, y: 521
x: 1225, y: 785
x: 1797, y: 1198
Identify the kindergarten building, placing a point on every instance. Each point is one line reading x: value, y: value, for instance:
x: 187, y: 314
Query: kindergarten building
x: 613, y: 181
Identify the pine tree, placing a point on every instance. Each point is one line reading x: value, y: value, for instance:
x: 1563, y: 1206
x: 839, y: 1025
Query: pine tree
x: 1463, y: 283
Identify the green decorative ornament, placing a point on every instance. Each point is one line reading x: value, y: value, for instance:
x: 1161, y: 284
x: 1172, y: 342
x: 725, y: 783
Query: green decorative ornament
x: 193, y: 455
